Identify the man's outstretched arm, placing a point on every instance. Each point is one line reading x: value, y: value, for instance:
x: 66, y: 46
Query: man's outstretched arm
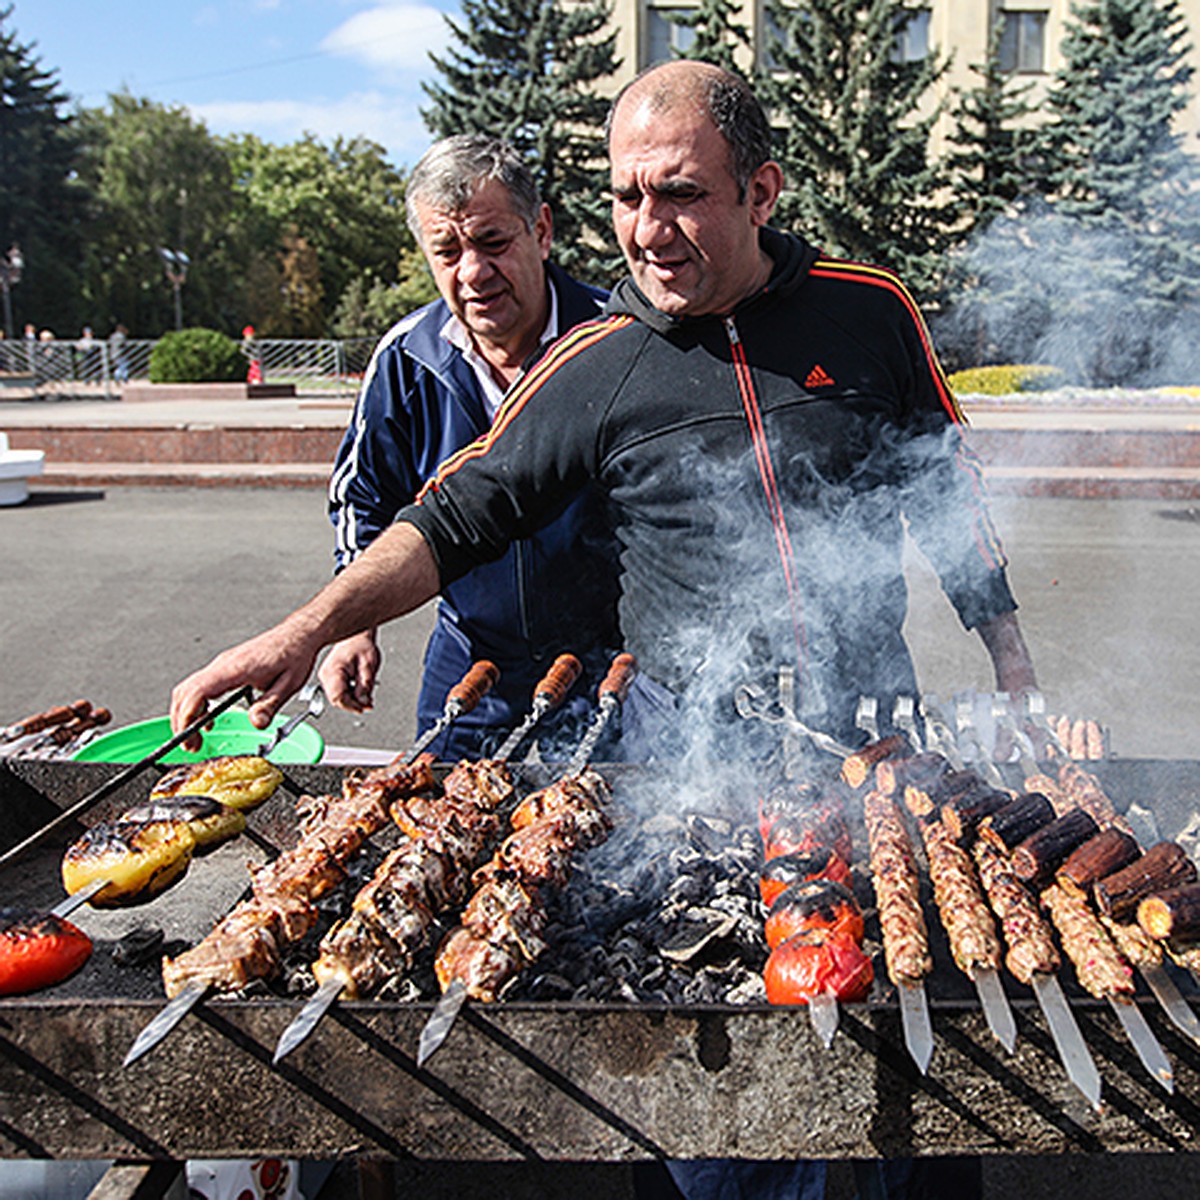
x: 396, y: 575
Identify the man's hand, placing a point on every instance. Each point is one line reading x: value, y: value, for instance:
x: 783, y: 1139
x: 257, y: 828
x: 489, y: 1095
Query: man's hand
x: 276, y: 663
x: 1009, y: 654
x: 396, y: 575
x: 350, y: 670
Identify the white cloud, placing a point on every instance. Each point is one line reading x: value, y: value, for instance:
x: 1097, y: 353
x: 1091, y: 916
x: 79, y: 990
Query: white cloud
x: 390, y: 36
x: 391, y: 120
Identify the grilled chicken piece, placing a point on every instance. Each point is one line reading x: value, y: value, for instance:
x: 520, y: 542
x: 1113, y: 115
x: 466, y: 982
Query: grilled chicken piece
x: 584, y: 795
x: 139, y: 859
x: 392, y: 915
x: 505, y: 912
x: 239, y: 780
x: 242, y: 947
x: 483, y: 967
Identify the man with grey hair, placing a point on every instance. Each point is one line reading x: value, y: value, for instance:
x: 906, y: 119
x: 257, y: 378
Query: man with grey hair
x: 434, y: 384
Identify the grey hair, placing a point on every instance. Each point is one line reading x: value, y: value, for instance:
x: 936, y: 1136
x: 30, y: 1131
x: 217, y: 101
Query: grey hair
x: 726, y: 99
x: 452, y: 170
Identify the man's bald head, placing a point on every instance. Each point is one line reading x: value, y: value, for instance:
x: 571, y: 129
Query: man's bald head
x: 719, y: 95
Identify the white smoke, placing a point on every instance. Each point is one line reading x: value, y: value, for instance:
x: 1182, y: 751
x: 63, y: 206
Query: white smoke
x: 1108, y: 303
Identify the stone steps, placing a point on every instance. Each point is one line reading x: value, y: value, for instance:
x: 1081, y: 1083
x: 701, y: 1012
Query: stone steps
x: 1077, y: 452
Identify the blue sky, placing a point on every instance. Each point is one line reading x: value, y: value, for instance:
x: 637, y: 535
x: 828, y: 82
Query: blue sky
x: 275, y: 68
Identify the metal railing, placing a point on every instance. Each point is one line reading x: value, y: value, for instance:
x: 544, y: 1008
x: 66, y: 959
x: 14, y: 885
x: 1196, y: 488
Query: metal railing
x: 96, y: 369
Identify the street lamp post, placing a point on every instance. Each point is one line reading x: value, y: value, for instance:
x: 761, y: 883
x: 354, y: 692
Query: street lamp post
x: 175, y: 264
x: 11, y: 266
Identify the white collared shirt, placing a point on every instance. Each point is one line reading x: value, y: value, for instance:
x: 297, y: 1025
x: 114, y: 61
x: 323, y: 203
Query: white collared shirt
x: 457, y: 334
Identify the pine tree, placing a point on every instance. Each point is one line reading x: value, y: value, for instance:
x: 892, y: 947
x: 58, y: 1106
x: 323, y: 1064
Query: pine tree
x: 717, y: 34
x: 1124, y: 81
x: 1124, y: 223
x: 993, y: 159
x: 40, y: 206
x: 854, y: 127
x: 524, y: 70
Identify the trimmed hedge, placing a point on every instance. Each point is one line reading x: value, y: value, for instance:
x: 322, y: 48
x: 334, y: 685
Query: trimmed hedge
x: 197, y: 356
x: 1006, y: 379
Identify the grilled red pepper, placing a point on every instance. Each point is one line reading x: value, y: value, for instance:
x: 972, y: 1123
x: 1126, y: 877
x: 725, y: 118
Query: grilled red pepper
x: 817, y: 961
x: 782, y: 872
x: 37, y: 950
x: 814, y: 904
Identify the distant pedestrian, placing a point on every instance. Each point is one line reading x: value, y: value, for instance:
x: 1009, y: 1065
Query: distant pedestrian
x: 250, y: 349
x: 118, y: 353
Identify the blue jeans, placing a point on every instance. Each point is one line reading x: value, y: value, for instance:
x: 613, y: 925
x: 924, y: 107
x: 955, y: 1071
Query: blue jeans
x: 718, y: 1179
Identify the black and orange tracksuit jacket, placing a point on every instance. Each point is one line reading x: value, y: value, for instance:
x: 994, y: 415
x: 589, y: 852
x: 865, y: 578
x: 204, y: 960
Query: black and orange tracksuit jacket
x: 761, y: 469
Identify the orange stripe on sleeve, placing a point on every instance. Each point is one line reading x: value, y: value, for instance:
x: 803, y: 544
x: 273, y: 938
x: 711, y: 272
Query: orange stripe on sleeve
x: 566, y: 348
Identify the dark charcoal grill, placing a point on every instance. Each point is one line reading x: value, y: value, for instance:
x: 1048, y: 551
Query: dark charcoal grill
x: 549, y: 1074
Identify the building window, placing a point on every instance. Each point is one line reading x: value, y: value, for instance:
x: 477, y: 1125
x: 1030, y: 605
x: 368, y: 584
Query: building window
x: 912, y: 37
x: 1023, y: 42
x: 664, y: 38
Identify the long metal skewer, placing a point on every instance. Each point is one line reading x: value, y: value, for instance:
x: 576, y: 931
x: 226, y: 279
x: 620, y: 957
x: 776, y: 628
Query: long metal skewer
x: 123, y: 776
x: 461, y: 699
x: 610, y: 696
x: 549, y: 693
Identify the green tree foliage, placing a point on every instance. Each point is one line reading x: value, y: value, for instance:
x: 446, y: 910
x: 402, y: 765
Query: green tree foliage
x: 993, y: 159
x: 40, y: 205
x: 1103, y: 278
x: 853, y: 127
x: 717, y: 34
x: 155, y: 179
x: 525, y: 70
x: 313, y: 220
x: 1112, y: 148
x: 366, y: 309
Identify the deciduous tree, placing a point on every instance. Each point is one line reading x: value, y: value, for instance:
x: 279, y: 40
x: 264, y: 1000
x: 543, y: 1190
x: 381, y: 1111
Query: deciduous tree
x: 40, y: 203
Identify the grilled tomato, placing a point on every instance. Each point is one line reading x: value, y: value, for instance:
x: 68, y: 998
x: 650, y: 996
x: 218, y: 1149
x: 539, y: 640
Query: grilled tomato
x: 817, y: 961
x: 781, y: 873
x: 814, y: 904
x: 37, y: 949
x: 801, y: 833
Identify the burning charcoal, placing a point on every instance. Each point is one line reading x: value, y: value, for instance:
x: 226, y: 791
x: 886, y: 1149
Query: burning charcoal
x: 710, y: 834
x: 750, y: 990
x: 661, y: 823
x: 550, y: 987
x: 688, y: 890
x: 699, y: 927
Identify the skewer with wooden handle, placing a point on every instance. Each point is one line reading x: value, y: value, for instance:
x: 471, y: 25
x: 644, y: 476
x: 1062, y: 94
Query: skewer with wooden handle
x: 60, y: 714
x: 460, y: 700
x: 548, y: 694
x: 65, y: 818
x: 610, y: 695
x: 63, y: 735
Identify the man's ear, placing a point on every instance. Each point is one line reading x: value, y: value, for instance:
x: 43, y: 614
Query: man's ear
x: 543, y: 230
x: 762, y: 192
